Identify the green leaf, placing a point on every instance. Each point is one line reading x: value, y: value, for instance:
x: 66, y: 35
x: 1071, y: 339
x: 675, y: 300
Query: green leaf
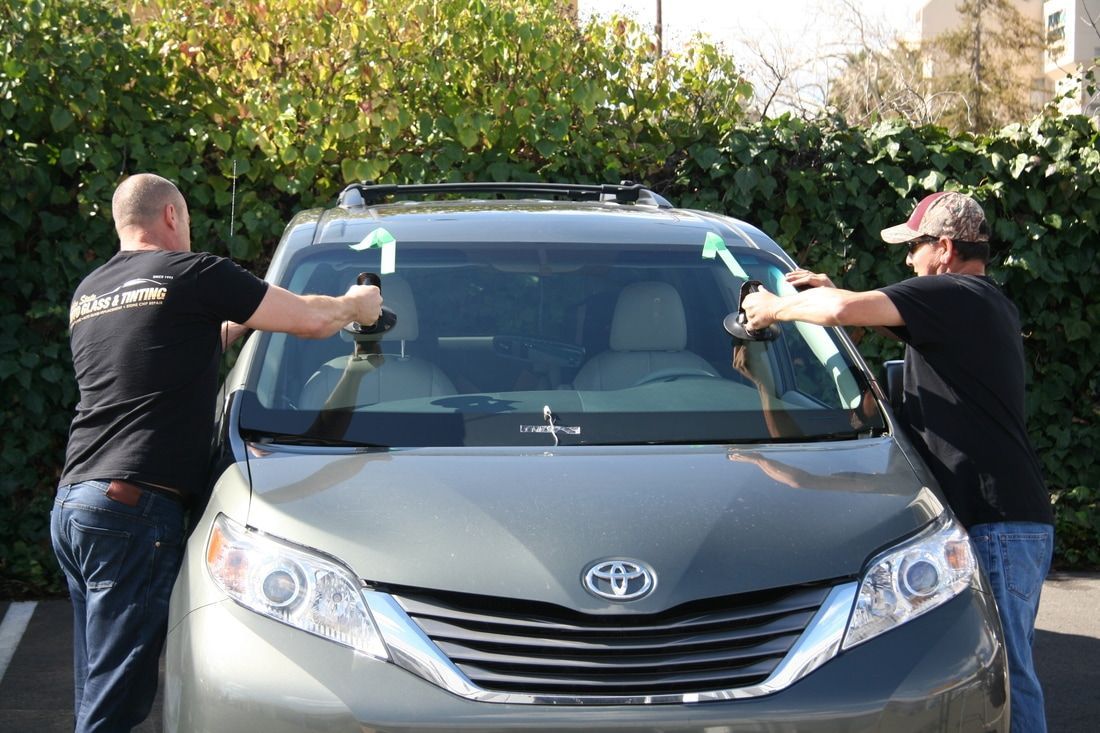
x: 746, y: 178
x: 312, y: 154
x: 933, y: 181
x: 546, y: 148
x: 223, y: 140
x: 349, y: 170
x: 1037, y: 200
x: 60, y: 119
x: 1019, y: 165
x: 1076, y: 330
x: 706, y: 157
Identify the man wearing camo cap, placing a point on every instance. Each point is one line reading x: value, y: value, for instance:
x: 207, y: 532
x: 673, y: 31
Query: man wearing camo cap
x: 964, y: 388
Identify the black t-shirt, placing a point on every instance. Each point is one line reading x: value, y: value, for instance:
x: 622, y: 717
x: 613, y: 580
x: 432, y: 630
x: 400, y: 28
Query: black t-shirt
x: 146, y: 343
x: 964, y: 397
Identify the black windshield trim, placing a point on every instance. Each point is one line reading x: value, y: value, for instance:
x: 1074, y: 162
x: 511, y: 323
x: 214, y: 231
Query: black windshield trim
x: 442, y: 428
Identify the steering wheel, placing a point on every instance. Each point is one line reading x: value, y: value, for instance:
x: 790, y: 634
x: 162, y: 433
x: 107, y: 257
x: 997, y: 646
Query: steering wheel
x: 664, y: 375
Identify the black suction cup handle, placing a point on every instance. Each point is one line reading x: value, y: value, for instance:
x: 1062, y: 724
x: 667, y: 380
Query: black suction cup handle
x: 385, y: 322
x: 736, y: 323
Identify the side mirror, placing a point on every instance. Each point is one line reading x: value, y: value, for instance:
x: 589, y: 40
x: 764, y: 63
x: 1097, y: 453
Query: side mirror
x: 893, y: 376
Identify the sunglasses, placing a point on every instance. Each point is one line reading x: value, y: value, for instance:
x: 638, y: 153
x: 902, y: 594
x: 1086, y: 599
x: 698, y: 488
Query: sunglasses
x: 918, y: 243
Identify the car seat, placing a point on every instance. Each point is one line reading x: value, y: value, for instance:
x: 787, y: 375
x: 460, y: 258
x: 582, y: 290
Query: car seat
x: 399, y: 376
x: 648, y: 336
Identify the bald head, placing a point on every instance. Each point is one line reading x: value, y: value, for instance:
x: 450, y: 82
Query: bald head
x: 151, y: 210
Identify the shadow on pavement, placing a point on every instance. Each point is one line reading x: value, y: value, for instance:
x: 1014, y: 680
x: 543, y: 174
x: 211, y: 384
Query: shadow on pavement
x: 36, y: 693
x: 1069, y: 669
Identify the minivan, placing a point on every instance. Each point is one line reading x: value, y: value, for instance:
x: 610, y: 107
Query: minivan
x: 560, y: 487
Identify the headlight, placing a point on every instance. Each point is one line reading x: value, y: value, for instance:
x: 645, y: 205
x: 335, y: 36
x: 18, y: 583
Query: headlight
x: 911, y: 579
x: 291, y: 584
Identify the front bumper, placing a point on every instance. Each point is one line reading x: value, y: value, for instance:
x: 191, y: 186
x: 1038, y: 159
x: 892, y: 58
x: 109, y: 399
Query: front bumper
x: 230, y: 669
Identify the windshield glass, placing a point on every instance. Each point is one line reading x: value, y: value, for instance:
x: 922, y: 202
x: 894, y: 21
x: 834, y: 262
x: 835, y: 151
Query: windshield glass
x: 551, y: 344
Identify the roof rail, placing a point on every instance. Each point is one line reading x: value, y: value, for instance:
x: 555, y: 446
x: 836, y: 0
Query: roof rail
x: 369, y: 194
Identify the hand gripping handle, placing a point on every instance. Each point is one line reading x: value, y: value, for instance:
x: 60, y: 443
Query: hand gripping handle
x: 736, y: 323
x: 385, y: 322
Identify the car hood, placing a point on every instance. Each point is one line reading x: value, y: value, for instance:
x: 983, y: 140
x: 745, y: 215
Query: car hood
x: 709, y: 521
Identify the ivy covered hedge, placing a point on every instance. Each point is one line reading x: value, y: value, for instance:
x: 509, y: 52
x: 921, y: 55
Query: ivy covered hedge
x: 285, y: 101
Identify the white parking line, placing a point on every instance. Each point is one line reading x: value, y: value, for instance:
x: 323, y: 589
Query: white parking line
x: 11, y: 631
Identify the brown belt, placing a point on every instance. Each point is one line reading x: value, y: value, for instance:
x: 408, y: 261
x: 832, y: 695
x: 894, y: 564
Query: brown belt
x: 129, y: 494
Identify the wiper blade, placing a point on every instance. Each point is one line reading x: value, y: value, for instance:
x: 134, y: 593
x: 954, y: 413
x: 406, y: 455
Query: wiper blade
x: 745, y: 440
x: 307, y: 440
x: 821, y: 437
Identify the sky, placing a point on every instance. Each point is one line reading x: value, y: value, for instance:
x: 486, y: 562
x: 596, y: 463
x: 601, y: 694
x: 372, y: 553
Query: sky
x: 729, y: 20
x: 800, y: 38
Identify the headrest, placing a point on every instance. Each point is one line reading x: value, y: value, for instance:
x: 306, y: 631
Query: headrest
x: 649, y: 316
x: 398, y: 297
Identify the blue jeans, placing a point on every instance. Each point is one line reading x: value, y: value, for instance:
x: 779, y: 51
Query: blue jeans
x: 1016, y: 558
x: 120, y: 563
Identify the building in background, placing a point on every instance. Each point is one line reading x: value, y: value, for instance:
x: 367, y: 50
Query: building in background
x: 1073, y: 35
x: 1072, y: 29
x: 938, y: 18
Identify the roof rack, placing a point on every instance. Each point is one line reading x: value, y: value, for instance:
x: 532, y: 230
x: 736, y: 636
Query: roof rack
x: 369, y: 194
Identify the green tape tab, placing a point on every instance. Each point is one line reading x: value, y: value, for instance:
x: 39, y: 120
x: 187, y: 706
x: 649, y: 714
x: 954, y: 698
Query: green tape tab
x: 713, y: 246
x: 383, y: 240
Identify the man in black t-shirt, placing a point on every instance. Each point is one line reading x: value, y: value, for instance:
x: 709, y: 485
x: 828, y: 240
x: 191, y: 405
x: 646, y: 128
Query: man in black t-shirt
x: 147, y: 330
x: 964, y: 385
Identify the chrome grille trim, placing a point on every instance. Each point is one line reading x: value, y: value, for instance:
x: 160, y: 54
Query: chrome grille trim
x: 413, y: 650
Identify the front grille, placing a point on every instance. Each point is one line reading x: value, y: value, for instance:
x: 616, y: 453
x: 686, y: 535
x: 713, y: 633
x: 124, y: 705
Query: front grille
x: 510, y: 646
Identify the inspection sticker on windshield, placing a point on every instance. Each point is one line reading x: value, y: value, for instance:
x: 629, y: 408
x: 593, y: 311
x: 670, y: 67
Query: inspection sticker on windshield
x: 383, y: 240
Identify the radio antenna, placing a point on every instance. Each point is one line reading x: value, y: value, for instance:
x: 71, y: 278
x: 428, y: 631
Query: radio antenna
x: 232, y: 204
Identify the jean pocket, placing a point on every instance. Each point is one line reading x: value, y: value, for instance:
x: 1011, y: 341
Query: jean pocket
x: 1026, y: 562
x: 102, y: 552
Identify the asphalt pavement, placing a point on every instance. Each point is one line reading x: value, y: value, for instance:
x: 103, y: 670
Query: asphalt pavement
x: 36, y: 656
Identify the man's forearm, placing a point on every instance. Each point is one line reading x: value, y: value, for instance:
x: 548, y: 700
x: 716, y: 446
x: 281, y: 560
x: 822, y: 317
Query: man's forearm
x: 820, y: 306
x: 823, y: 307
x: 330, y: 314
x: 315, y: 316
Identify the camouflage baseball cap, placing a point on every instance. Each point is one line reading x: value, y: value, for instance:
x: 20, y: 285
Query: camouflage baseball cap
x: 944, y: 214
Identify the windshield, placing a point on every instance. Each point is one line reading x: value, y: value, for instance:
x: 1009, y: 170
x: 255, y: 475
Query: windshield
x: 550, y: 344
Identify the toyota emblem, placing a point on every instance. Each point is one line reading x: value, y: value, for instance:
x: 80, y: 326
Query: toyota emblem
x: 619, y: 580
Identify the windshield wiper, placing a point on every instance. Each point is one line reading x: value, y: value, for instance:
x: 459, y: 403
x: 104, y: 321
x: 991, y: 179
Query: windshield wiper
x: 751, y: 440
x: 852, y: 434
x: 305, y: 440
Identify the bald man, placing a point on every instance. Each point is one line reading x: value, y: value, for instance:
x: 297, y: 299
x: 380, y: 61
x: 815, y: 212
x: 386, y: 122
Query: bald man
x: 147, y: 330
